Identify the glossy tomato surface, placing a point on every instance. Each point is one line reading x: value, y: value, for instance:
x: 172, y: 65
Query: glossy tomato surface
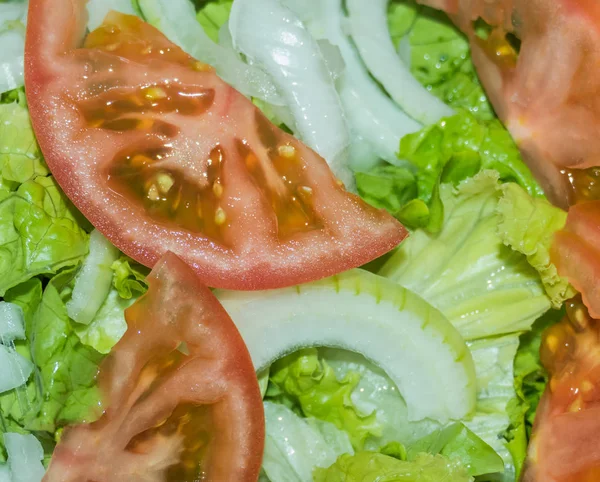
x: 539, y: 66
x: 181, y: 397
x: 161, y: 155
x: 565, y: 445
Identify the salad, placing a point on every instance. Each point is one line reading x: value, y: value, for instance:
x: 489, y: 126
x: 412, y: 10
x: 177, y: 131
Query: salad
x: 299, y: 240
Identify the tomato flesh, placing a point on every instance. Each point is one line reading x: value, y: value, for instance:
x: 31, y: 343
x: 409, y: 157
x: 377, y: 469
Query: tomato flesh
x: 180, y: 393
x: 547, y: 92
x: 161, y: 155
x: 565, y: 445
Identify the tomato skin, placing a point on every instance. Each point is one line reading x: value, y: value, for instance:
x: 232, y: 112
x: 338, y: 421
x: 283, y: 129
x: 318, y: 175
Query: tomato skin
x: 146, y: 379
x: 253, y: 249
x: 565, y: 444
x: 576, y: 252
x: 546, y: 92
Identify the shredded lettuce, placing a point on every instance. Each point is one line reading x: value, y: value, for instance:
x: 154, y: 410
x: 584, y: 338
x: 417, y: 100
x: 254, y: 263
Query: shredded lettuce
x: 308, y: 384
x: 438, y: 55
x: 466, y: 271
x: 213, y: 16
x: 294, y: 446
x: 460, y: 445
x: 530, y: 382
x: 129, y: 278
x: 460, y: 146
x: 450, y: 151
x: 377, y: 467
x: 39, y: 233
x: 528, y: 225
x: 20, y: 156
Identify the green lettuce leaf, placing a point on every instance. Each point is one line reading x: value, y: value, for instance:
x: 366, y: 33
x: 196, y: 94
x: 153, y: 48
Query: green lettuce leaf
x: 439, y: 56
x: 377, y: 467
x: 212, y: 17
x: 528, y: 225
x: 530, y: 382
x: 39, y: 233
x: 449, y: 152
x: 129, y: 278
x: 494, y: 360
x: 20, y: 156
x: 108, y: 326
x: 294, y: 446
x: 64, y: 389
x: 67, y: 368
x: 482, y: 286
x: 459, y: 444
x: 309, y: 385
x: 460, y: 146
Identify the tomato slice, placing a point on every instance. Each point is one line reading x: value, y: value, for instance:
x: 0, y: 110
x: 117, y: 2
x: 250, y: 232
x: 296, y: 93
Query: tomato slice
x: 576, y: 252
x: 565, y: 445
x: 545, y: 89
x: 161, y: 155
x: 181, y: 395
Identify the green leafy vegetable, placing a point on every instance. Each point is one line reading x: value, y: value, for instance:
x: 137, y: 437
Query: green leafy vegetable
x: 449, y: 152
x: 482, y: 286
x: 212, y: 17
x: 439, y: 56
x: 530, y: 381
x: 303, y: 381
x: 376, y: 467
x: 39, y: 233
x: 20, y: 156
x: 294, y: 446
x: 129, y: 278
x: 459, y: 444
x: 460, y: 146
x: 67, y: 368
x: 528, y: 225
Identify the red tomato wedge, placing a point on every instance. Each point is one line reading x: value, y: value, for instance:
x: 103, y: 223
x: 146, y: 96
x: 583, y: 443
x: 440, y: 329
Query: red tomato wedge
x: 161, y: 155
x: 547, y: 93
x: 565, y: 445
x: 576, y: 252
x: 181, y: 395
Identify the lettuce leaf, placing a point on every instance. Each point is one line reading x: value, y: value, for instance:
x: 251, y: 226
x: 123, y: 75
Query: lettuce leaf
x: 460, y: 146
x: 310, y: 386
x: 459, y: 444
x: 64, y: 389
x: 529, y: 382
x: 213, y: 16
x: 129, y: 278
x: 528, y: 225
x: 39, y: 233
x: 377, y: 467
x: 439, y: 56
x: 294, y: 446
x: 67, y: 368
x: 449, y: 152
x: 20, y: 157
x: 482, y: 286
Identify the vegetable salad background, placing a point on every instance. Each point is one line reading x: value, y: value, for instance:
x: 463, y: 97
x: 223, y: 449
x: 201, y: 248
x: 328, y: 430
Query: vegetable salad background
x: 443, y: 165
